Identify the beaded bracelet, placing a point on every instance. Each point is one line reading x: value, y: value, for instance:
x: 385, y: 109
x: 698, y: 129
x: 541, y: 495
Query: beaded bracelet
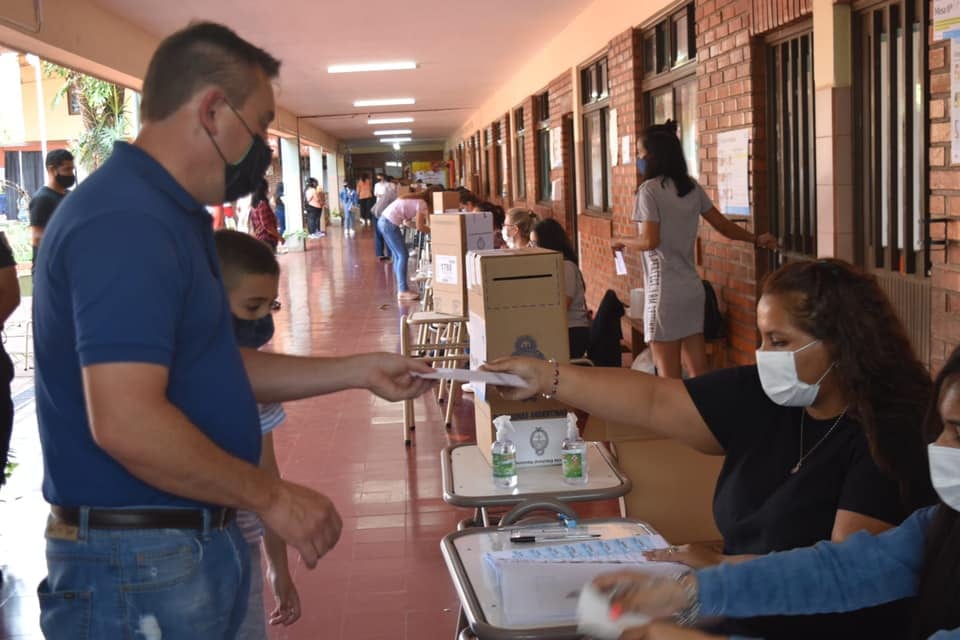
x: 556, y: 380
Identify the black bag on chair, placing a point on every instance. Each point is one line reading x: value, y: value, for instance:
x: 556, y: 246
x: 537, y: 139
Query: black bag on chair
x: 714, y: 328
x: 605, y: 332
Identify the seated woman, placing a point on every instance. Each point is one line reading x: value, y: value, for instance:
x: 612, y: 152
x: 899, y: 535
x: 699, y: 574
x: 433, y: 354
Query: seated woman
x: 836, y: 380
x: 548, y: 234
x: 920, y: 558
x: 517, y: 227
x: 408, y: 210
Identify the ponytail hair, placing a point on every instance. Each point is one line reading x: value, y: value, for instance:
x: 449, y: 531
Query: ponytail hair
x: 522, y: 219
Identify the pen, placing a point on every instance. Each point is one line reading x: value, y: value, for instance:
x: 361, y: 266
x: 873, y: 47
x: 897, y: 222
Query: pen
x: 555, y: 537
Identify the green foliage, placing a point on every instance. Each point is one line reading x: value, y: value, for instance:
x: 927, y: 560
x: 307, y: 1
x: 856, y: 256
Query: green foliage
x: 10, y: 466
x: 102, y: 109
x: 19, y: 236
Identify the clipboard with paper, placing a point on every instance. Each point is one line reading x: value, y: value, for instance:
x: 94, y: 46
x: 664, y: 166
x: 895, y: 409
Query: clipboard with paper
x: 515, y: 590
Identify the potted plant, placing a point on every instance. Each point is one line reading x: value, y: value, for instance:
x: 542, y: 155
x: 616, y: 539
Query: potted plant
x: 295, y: 240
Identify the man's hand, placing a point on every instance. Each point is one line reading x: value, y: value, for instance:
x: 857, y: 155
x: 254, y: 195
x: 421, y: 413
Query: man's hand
x: 304, y: 518
x: 390, y: 376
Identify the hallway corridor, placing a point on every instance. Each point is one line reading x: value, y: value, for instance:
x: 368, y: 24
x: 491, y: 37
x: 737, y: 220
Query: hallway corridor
x: 386, y: 578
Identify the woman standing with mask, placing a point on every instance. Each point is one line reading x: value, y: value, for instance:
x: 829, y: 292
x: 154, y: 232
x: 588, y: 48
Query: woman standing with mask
x: 667, y: 212
x: 836, y: 380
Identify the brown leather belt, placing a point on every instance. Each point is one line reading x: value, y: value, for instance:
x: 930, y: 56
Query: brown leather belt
x: 145, y: 518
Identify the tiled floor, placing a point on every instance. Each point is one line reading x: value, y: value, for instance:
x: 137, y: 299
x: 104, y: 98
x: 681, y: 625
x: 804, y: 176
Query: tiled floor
x: 386, y: 578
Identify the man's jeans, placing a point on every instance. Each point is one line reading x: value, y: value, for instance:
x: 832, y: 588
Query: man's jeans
x: 145, y: 584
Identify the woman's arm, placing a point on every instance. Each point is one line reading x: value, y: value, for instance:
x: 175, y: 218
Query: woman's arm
x: 647, y: 238
x: 659, y: 405
x: 733, y: 231
x: 421, y: 222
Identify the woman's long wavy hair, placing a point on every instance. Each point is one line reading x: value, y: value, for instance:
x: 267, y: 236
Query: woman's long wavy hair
x: 938, y: 597
x: 887, y: 387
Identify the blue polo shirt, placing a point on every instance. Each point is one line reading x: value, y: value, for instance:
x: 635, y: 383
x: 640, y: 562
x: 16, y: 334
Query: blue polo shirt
x: 128, y: 272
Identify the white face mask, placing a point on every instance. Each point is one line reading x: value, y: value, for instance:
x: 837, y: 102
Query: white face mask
x: 945, y: 473
x: 778, y: 376
x: 506, y: 236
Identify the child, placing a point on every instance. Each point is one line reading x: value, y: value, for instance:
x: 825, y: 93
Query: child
x: 251, y: 276
x: 348, y: 201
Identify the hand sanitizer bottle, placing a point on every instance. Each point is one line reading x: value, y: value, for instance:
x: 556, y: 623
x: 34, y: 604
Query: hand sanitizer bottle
x: 574, y: 454
x: 504, y: 454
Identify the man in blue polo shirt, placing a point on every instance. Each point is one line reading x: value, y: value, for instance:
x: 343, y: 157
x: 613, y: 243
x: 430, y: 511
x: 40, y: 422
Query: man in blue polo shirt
x: 146, y: 406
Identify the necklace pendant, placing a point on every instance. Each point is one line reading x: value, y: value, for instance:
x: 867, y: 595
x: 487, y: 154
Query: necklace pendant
x: 796, y: 467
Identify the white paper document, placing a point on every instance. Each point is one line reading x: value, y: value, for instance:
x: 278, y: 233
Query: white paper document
x: 542, y: 585
x: 593, y: 616
x: 620, y: 263
x: 470, y: 375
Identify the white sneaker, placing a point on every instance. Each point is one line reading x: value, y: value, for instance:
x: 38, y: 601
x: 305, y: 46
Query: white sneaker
x: 466, y: 387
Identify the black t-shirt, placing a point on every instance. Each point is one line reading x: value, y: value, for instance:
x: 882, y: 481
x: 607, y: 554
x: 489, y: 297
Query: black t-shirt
x: 42, y: 206
x: 761, y: 507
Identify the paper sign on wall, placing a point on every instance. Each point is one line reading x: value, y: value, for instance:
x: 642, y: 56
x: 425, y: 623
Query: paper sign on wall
x: 954, y: 95
x: 625, y: 150
x: 946, y: 16
x: 733, y: 177
x: 614, y: 138
x: 446, y: 270
x: 556, y: 148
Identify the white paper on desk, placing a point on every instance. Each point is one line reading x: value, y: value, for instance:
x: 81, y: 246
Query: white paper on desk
x: 471, y: 375
x: 620, y: 263
x: 546, y: 594
x: 629, y: 549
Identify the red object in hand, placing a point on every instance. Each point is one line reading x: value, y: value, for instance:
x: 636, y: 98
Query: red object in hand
x: 616, y: 610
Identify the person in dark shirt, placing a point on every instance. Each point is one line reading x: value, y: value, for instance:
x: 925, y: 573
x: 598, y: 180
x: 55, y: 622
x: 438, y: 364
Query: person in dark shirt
x: 61, y: 175
x: 9, y: 300
x: 822, y: 438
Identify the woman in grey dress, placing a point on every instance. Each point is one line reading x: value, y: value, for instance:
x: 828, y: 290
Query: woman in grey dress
x: 668, y: 208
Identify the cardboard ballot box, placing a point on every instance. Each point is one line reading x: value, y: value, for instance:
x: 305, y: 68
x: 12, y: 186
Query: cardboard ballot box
x: 446, y: 201
x: 452, y: 235
x: 516, y: 307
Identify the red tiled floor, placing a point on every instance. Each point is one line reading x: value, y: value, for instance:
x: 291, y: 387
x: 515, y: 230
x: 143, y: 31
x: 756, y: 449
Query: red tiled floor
x: 386, y: 578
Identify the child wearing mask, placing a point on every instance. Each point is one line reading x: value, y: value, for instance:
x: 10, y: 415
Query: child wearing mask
x: 251, y: 277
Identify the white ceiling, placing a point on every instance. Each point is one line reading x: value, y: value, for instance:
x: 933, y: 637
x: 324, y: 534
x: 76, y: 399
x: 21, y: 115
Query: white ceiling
x: 465, y: 48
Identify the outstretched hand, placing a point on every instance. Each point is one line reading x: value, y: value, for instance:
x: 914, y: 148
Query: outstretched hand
x: 533, y: 372
x: 390, y: 376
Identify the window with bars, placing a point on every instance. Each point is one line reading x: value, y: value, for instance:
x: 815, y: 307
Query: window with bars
x: 595, y: 97
x: 500, y: 147
x: 520, y: 155
x: 790, y: 107
x: 891, y: 163
x: 487, y: 146
x: 670, y: 43
x: 542, y: 114
x: 670, y: 79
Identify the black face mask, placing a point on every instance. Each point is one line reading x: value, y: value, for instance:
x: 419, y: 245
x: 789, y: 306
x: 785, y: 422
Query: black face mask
x: 65, y: 182
x: 242, y: 177
x: 253, y: 334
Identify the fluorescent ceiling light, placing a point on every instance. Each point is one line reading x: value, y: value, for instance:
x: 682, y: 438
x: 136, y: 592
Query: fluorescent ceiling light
x: 404, y: 120
x: 389, y: 140
x: 394, y: 164
x: 393, y: 132
x: 384, y: 102
x: 396, y: 146
x: 371, y: 66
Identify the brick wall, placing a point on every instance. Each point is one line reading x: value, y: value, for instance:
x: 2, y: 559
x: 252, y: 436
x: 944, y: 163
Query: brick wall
x: 944, y: 202
x: 596, y: 231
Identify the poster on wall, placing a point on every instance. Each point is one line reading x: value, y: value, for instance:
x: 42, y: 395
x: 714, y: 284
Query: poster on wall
x: 613, y: 136
x: 625, y: 150
x: 430, y: 172
x: 954, y: 95
x: 556, y: 148
x: 733, y: 177
x: 946, y: 17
